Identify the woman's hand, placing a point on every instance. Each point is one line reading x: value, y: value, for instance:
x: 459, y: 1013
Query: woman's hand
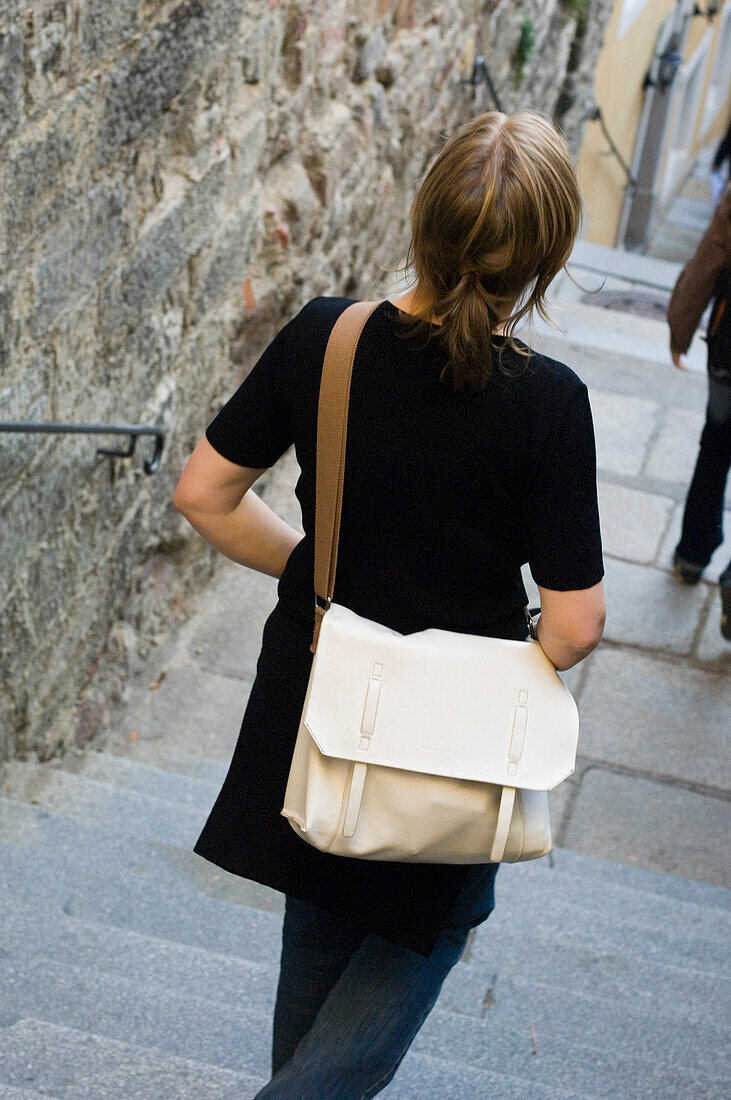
x: 213, y: 495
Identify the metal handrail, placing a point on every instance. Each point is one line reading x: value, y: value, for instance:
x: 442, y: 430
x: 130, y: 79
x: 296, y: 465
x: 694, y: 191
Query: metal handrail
x: 481, y: 75
x: 150, y: 464
x: 594, y: 114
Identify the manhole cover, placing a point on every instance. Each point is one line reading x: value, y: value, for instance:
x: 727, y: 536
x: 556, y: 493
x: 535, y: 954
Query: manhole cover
x: 631, y: 301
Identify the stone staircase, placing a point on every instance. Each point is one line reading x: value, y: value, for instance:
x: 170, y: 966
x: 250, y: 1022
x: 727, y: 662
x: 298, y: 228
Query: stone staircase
x: 134, y: 969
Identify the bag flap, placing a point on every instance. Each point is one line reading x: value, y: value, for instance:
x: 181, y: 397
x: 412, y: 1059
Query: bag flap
x: 439, y: 702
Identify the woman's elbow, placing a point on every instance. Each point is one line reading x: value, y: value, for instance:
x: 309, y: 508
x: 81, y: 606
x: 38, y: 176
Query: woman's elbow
x: 587, y: 635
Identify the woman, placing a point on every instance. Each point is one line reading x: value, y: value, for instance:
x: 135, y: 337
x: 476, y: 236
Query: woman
x: 467, y: 456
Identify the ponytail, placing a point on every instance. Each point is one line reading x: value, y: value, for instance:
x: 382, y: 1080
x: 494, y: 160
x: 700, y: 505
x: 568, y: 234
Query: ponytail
x: 493, y: 223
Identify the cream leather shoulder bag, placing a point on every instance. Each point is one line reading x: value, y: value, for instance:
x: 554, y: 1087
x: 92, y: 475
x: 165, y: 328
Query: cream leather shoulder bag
x: 433, y: 747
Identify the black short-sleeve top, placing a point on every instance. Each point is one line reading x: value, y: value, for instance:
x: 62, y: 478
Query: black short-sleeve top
x: 446, y: 495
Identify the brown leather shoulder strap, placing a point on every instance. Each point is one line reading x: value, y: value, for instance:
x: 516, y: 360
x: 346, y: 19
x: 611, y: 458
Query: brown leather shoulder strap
x: 332, y: 429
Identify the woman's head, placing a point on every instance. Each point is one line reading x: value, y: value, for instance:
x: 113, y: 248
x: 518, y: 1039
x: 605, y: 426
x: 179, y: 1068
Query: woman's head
x: 492, y: 224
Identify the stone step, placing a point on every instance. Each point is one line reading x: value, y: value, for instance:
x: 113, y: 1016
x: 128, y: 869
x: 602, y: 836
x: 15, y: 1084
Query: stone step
x: 79, y: 1064
x: 135, y: 814
x: 657, y: 883
x: 641, y: 987
x: 237, y: 1037
x: 9, y: 1092
x: 65, y: 1062
x: 593, y: 328
x: 195, y: 793
x: 128, y: 813
x: 133, y: 772
x: 430, y: 1078
x: 180, y: 763
x: 630, y: 266
x: 120, y: 811
x: 166, y: 875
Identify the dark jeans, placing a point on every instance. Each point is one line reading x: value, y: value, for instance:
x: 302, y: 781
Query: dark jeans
x: 703, y: 518
x: 349, y: 1003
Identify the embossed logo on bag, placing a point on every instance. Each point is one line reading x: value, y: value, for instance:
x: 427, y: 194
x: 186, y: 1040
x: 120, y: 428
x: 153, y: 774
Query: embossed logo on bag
x: 441, y: 750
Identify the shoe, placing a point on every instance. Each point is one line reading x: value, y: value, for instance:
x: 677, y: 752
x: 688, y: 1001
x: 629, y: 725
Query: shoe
x: 726, y: 610
x: 688, y: 570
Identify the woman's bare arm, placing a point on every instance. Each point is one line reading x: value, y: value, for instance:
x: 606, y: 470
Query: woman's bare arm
x: 571, y: 624
x: 213, y: 495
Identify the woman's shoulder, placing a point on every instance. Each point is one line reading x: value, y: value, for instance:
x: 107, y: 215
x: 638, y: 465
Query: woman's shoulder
x: 552, y: 377
x: 323, y: 310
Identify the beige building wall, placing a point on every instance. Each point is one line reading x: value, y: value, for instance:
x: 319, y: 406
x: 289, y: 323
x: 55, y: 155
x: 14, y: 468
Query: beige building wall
x: 629, y: 45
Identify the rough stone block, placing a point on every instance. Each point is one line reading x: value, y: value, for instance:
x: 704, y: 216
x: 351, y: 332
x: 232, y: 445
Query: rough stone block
x: 656, y: 716
x: 637, y: 821
x: 632, y: 522
x: 648, y: 607
x: 78, y: 250
x: 229, y: 262
x: 48, y: 48
x: 624, y: 427
x: 103, y: 26
x: 188, y: 220
x: 33, y: 510
x: 177, y: 48
x: 50, y: 167
x: 260, y: 49
x: 248, y: 143
x: 26, y: 399
x: 11, y: 80
x: 370, y: 54
x: 6, y: 327
x: 673, y: 453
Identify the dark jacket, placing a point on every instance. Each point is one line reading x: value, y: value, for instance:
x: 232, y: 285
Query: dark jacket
x: 699, y: 279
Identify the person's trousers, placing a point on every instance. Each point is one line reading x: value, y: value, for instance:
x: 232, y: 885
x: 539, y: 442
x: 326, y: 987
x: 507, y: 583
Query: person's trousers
x: 349, y: 1003
x: 703, y: 517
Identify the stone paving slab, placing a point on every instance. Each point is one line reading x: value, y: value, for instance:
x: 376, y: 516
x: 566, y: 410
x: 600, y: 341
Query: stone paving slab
x: 623, y: 427
x: 192, y: 711
x: 656, y: 716
x: 633, y: 522
x: 721, y: 557
x: 713, y: 649
x: 672, y: 454
x: 647, y: 607
x: 631, y: 819
x: 226, y: 639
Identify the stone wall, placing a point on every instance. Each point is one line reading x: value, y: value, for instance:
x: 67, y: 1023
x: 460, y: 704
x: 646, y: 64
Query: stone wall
x: 177, y: 179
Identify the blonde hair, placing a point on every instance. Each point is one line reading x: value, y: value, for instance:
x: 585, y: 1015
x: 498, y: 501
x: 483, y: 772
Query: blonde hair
x: 492, y: 224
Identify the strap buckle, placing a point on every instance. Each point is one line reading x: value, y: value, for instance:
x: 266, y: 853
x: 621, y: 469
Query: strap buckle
x: 531, y: 622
